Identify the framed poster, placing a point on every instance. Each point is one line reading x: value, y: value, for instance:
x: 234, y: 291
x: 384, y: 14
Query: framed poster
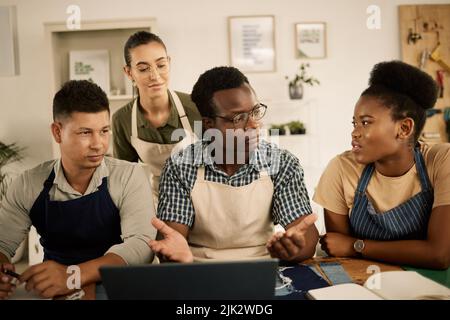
x: 92, y: 65
x: 310, y: 40
x: 252, y: 43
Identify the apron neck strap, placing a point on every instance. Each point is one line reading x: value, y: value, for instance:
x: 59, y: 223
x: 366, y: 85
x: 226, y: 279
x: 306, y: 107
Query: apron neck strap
x: 49, y: 182
x: 181, y: 113
x: 365, y: 178
x: 201, y: 174
x: 421, y: 169
x: 134, y: 119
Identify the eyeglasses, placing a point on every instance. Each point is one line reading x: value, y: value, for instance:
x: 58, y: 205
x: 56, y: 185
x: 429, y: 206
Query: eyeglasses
x: 241, y: 119
x: 161, y: 68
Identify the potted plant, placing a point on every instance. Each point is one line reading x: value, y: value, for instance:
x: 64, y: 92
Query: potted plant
x: 296, y: 84
x: 296, y: 127
x: 277, y: 130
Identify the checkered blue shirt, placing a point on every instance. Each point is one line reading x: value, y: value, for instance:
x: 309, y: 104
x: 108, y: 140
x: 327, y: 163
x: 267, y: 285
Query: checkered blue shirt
x: 290, y: 198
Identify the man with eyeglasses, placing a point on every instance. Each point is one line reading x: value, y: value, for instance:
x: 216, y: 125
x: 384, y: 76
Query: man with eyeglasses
x: 224, y: 197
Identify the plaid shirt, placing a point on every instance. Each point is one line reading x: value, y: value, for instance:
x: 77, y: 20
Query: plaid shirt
x: 290, y: 197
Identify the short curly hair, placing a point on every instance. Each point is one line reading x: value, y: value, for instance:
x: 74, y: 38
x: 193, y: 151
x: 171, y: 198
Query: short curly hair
x: 405, y: 89
x: 211, y: 81
x: 79, y: 96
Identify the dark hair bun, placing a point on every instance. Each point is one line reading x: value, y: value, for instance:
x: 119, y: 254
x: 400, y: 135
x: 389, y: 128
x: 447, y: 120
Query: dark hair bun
x: 403, y: 78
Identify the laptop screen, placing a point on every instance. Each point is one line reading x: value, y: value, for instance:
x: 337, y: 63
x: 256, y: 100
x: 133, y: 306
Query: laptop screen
x: 235, y: 280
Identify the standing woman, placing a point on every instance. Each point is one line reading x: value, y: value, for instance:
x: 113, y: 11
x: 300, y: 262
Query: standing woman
x: 388, y: 198
x: 142, y: 129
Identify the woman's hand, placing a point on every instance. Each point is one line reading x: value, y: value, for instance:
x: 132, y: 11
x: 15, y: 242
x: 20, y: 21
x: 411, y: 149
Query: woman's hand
x: 338, y: 245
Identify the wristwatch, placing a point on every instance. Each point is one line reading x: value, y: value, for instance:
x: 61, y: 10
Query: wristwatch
x: 359, y: 245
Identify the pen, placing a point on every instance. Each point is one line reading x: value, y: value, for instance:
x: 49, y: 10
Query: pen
x: 11, y: 273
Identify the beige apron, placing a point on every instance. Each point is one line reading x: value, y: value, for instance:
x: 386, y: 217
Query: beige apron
x: 231, y: 223
x: 154, y: 155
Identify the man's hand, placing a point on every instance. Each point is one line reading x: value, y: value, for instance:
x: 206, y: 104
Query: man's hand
x: 338, y: 244
x: 48, y: 279
x: 174, y: 246
x: 7, y: 283
x: 290, y: 244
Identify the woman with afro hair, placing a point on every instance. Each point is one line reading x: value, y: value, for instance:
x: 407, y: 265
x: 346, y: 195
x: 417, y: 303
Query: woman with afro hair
x: 388, y: 198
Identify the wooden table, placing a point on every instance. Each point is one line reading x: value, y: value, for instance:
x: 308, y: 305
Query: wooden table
x: 357, y: 269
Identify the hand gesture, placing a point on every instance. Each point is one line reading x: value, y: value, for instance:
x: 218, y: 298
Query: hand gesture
x: 289, y: 245
x: 174, y: 246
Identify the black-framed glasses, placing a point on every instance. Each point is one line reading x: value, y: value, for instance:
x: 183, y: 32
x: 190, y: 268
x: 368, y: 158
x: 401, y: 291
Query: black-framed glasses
x: 241, y: 119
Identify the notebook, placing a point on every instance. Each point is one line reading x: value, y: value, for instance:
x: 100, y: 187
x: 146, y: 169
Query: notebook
x: 235, y: 280
x: 390, y: 285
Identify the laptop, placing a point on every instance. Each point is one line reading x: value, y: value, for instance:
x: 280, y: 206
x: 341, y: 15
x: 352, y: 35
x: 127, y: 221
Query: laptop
x: 231, y: 280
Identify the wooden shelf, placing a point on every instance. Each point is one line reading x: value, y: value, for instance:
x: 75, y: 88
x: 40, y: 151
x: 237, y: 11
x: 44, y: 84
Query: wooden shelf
x: 124, y: 97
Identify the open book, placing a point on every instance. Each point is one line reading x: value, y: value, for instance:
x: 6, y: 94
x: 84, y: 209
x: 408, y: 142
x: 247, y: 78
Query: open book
x: 390, y: 285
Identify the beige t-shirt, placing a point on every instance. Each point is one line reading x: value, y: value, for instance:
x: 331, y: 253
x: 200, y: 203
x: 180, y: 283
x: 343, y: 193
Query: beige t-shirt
x: 337, y: 185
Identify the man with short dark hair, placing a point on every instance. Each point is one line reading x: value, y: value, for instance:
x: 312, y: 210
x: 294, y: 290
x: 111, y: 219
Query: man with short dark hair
x: 223, y: 196
x: 90, y: 210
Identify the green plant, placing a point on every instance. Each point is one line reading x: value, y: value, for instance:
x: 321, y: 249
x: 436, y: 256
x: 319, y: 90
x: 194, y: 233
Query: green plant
x: 8, y: 153
x: 279, y: 127
x: 296, y: 127
x: 302, y: 77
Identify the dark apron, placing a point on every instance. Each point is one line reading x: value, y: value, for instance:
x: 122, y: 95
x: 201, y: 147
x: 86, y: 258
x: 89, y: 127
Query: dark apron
x: 409, y: 220
x: 78, y: 230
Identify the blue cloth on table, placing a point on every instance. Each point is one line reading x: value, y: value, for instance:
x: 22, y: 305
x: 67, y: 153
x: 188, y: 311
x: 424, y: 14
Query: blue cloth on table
x: 294, y: 281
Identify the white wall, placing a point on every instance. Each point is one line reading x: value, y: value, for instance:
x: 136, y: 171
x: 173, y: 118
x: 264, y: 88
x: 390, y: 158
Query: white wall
x: 195, y: 32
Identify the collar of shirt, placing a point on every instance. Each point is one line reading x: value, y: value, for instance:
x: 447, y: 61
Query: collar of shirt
x: 171, y: 121
x: 260, y: 158
x: 96, y: 180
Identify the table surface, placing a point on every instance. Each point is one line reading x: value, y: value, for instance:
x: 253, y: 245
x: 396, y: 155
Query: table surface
x: 357, y: 269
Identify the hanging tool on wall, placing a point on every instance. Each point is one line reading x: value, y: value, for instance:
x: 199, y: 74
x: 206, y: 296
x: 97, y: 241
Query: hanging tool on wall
x: 413, y: 37
x: 436, y: 57
x: 424, y: 56
x: 440, y: 83
x: 445, y: 113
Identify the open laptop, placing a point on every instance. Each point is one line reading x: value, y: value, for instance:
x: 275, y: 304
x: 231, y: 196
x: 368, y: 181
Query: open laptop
x: 253, y: 279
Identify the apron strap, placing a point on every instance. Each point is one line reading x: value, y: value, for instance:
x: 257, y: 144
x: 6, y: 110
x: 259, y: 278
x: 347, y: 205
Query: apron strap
x: 421, y: 169
x: 365, y: 178
x: 201, y: 174
x: 181, y: 113
x: 184, y: 119
x: 49, y: 182
x: 134, y: 119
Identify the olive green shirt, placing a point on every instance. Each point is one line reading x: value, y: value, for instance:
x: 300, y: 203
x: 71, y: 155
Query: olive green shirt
x: 121, y: 127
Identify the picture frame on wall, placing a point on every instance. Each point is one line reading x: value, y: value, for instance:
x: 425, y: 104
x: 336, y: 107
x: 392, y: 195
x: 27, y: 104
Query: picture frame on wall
x: 252, y: 43
x: 310, y: 40
x: 92, y: 65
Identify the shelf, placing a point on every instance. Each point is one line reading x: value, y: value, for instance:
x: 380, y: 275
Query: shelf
x: 120, y: 97
x: 94, y: 35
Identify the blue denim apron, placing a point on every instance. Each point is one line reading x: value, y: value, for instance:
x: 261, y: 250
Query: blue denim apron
x: 78, y: 230
x: 409, y: 220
